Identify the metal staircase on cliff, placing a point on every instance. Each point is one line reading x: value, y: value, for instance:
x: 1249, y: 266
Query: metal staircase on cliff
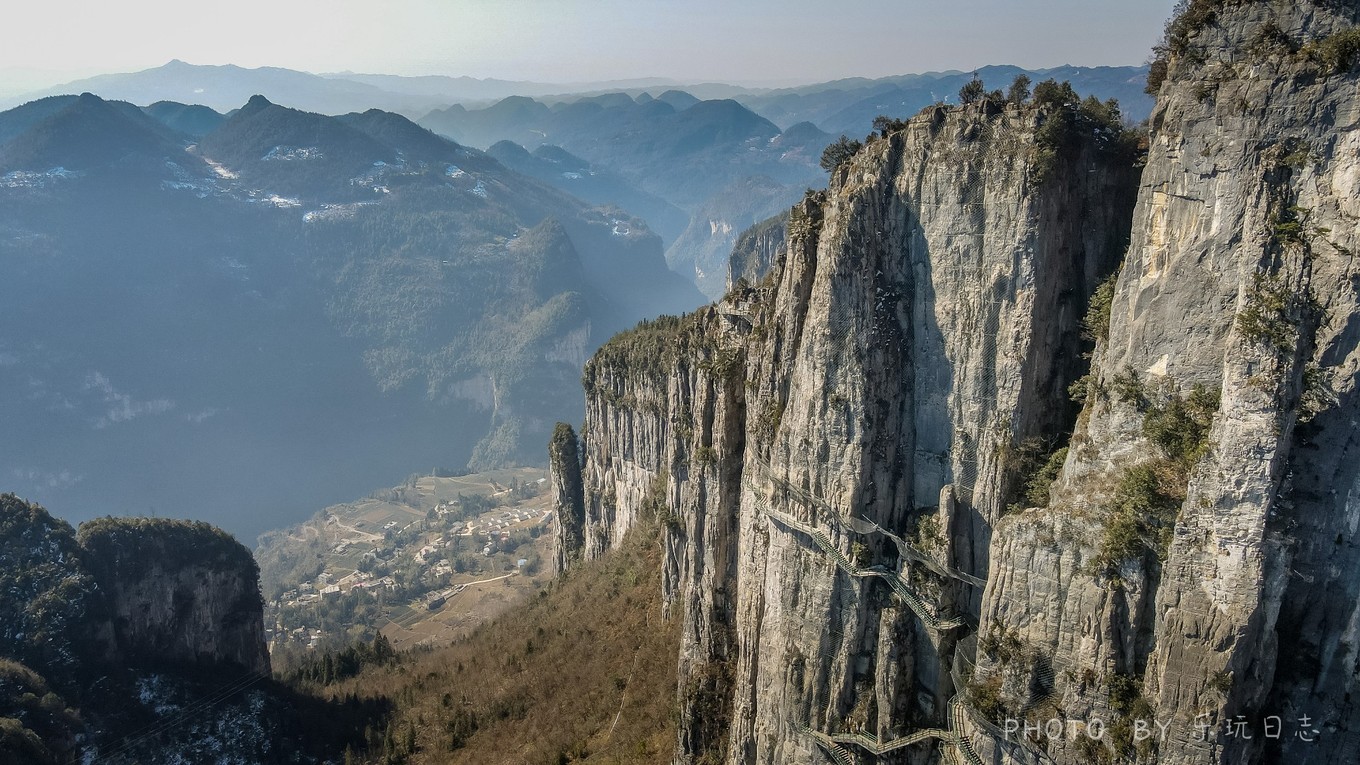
x: 960, y: 746
x: 927, y: 612
x: 863, y: 526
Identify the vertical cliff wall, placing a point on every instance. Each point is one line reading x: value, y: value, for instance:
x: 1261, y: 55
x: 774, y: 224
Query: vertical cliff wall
x: 1230, y: 597
x: 564, y: 460
x: 916, y: 336
x: 178, y: 592
x: 891, y: 533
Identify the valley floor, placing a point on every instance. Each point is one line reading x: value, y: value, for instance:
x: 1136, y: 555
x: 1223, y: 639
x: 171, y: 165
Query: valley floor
x: 585, y: 672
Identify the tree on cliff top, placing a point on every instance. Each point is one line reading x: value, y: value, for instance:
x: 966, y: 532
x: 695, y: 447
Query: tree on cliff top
x: 973, y: 91
x: 839, y: 152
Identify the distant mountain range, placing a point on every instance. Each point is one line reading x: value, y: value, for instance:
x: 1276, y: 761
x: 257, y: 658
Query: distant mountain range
x: 847, y: 105
x: 226, y: 87
x: 245, y: 316
x: 676, y: 156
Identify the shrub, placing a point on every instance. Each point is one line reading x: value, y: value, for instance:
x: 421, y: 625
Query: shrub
x: 885, y: 125
x: 1265, y: 316
x: 1053, y: 94
x: 1189, y: 17
x: 705, y: 456
x: 1180, y: 426
x: 928, y: 536
x: 1068, y: 122
x: 839, y: 152
x: 1290, y: 227
x: 985, y: 697
x: 1142, y: 516
x: 1128, y: 388
x: 1096, y: 324
x: 1081, y: 388
x: 1336, y: 53
x: 1318, y: 394
x: 1041, y: 483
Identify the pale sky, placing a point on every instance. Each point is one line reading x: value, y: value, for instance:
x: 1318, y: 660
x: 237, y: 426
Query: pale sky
x: 747, y: 41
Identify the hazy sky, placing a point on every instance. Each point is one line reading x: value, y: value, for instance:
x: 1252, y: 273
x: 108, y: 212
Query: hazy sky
x: 576, y: 40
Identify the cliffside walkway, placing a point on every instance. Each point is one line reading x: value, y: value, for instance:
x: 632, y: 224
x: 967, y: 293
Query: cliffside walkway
x: 863, y: 526
x: 913, y: 553
x: 928, y: 613
x: 834, y: 743
x: 925, y: 611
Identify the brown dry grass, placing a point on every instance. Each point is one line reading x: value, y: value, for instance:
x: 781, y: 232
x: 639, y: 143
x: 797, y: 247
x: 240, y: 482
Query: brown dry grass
x: 544, y: 682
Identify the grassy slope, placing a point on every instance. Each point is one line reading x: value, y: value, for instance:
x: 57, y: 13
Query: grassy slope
x: 545, y: 681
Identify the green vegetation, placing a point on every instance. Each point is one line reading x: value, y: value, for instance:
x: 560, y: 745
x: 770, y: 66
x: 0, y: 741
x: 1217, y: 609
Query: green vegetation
x: 1142, y: 514
x: 726, y: 364
x: 839, y: 152
x: 657, y: 348
x: 1318, y: 395
x: 885, y: 125
x: 927, y: 534
x: 1069, y: 122
x: 1127, y: 700
x: 707, y: 698
x: 1019, y: 91
x: 1188, y: 18
x: 1179, y: 426
x: 1336, y: 53
x: 972, y: 91
x: 1032, y: 466
x: 49, y: 603
x: 1038, y: 486
x: 656, y: 506
x: 1141, y: 517
x: 705, y: 457
x: 767, y: 422
x: 1291, y: 226
x: 333, y: 666
x: 585, y: 670
x: 1265, y: 316
x: 985, y: 697
x: 1096, y: 324
x: 1270, y: 39
x: 128, y: 548
x: 36, y: 725
x: 1002, y: 644
x: 54, y: 618
x: 1127, y: 386
x: 1082, y: 388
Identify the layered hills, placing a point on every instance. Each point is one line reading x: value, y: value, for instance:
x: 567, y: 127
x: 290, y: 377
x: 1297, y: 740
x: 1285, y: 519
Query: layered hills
x: 716, y: 163
x: 726, y: 162
x: 288, y: 308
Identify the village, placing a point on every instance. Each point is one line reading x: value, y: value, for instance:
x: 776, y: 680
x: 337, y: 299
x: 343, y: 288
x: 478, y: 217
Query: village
x: 421, y: 563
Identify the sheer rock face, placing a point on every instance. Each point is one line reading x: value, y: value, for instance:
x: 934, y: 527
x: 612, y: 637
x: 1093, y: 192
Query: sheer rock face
x: 1253, y: 609
x: 179, y: 593
x: 565, y: 460
x: 921, y: 322
x: 923, y: 319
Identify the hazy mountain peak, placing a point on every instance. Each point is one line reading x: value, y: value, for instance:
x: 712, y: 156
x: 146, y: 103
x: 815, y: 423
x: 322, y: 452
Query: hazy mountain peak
x: 678, y: 98
x: 255, y: 104
x: 85, y: 132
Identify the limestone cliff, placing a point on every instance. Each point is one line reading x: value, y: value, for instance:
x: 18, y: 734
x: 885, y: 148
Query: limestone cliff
x: 891, y: 533
x: 1241, y: 280
x: 960, y: 250
x: 756, y: 250
x: 564, y: 457
x: 178, y: 592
